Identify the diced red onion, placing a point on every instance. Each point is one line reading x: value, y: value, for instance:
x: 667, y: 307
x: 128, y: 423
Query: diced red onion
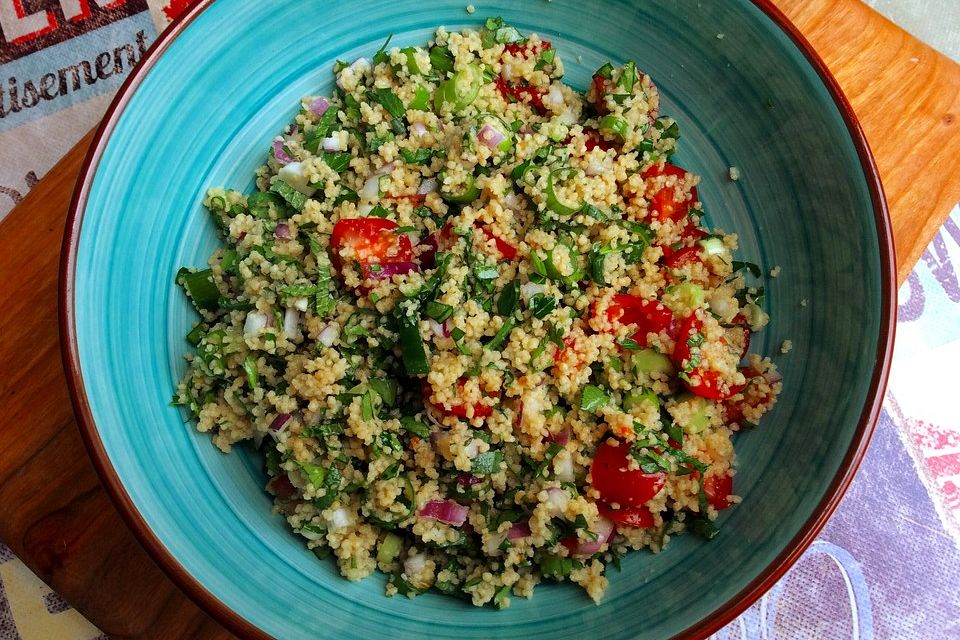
x: 393, y: 269
x: 437, y: 328
x: 518, y: 531
x: 530, y: 289
x: 319, y: 106
x: 512, y: 201
x: 772, y: 376
x: 310, y: 535
x: 419, y: 129
x: 562, y: 437
x: 427, y: 186
x: 282, y: 232
x: 280, y: 422
x: 291, y: 321
x: 385, y: 169
x: 465, y: 479
x: 255, y: 322
x: 332, y: 143
x: 329, y: 334
x: 279, y: 153
x: 489, y: 136
x: 428, y: 251
x: 605, y: 529
x: 472, y: 449
x: 445, y: 511
x: 365, y: 209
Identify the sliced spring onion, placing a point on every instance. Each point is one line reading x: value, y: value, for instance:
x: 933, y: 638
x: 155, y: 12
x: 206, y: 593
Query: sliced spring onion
x: 564, y: 263
x: 196, y: 334
x: 614, y: 125
x: 606, y: 71
x: 461, y: 90
x: 250, y: 368
x: 629, y: 76
x: 501, y: 336
x: 200, y: 288
x: 553, y: 202
x: 470, y: 193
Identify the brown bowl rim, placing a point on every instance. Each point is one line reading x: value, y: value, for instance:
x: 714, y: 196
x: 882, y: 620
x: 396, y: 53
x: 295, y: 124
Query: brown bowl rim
x: 724, y: 614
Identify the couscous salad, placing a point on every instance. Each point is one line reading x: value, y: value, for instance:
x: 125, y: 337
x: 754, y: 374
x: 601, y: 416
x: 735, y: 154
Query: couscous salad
x: 476, y: 324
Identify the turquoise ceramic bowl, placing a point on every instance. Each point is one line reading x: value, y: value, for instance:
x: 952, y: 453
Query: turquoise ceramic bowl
x: 201, y: 112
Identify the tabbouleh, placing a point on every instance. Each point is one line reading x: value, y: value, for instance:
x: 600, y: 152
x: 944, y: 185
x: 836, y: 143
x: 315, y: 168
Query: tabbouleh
x: 476, y: 324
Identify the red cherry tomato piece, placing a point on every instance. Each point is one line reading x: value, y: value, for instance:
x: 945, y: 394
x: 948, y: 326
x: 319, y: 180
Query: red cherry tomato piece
x: 683, y: 257
x: 480, y: 410
x: 718, y: 488
x: 706, y: 382
x: 663, y: 205
x: 618, y: 484
x: 595, y: 140
x: 689, y: 235
x: 649, y: 316
x: 372, y: 240
x: 507, y: 250
x: 639, y: 517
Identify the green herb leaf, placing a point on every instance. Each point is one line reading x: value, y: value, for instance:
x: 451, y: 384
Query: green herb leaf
x: 381, y: 54
x: 487, y: 463
x: 438, y: 311
x: 385, y: 388
x: 593, y: 398
x: 754, y: 269
x: 542, y: 305
x: 415, y: 427
x: 390, y: 102
x: 441, y: 59
x: 507, y: 302
x: 293, y: 197
x: 419, y: 156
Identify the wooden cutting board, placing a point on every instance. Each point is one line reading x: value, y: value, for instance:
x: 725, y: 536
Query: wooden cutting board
x: 57, y: 518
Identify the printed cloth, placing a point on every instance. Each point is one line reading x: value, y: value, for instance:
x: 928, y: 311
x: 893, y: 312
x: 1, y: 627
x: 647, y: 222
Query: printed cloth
x: 887, y: 564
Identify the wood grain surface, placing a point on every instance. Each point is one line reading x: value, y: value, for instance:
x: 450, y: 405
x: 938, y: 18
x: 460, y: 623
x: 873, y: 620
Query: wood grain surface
x: 57, y: 518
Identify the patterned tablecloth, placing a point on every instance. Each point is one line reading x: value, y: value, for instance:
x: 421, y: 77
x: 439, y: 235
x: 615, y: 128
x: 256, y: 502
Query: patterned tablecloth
x: 887, y: 565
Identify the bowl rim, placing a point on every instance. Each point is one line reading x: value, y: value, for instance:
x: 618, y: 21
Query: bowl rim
x: 236, y: 623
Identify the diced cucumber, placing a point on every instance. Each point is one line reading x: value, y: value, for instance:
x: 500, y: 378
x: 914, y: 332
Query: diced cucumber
x: 698, y: 418
x: 637, y: 396
x: 650, y: 361
x: 683, y: 298
x: 389, y: 548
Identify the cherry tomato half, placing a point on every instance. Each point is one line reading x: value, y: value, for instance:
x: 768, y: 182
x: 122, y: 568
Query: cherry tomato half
x: 708, y: 383
x: 372, y: 241
x: 616, y: 483
x: 507, y: 250
x: 690, y: 235
x: 639, y: 517
x: 649, y: 316
x: 718, y: 488
x: 480, y: 410
x: 663, y: 205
